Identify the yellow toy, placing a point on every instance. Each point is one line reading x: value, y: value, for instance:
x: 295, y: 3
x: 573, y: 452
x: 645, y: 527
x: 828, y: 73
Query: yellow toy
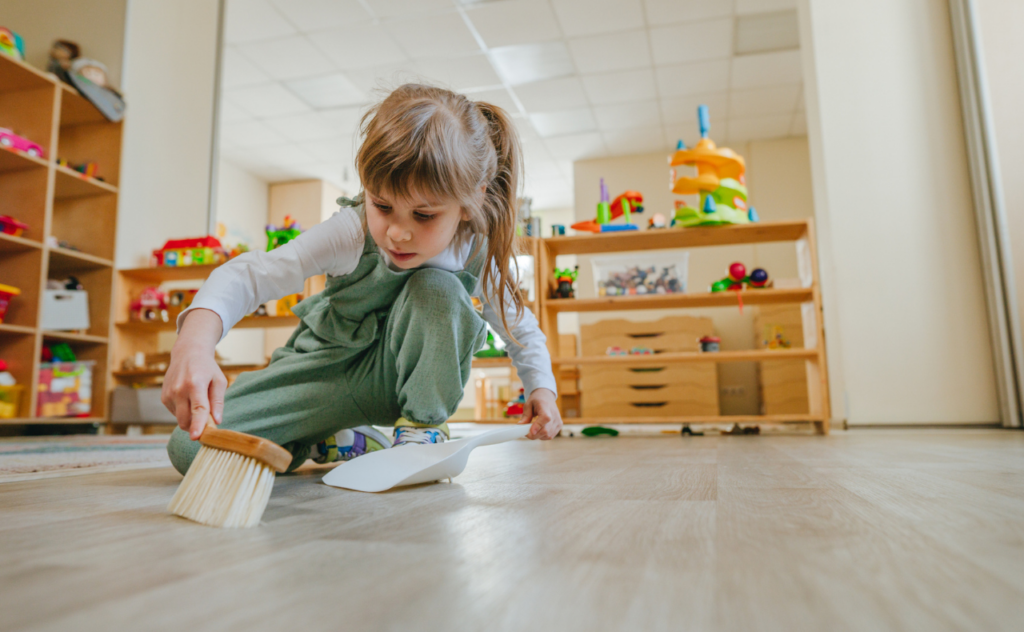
x: 719, y: 182
x: 285, y: 304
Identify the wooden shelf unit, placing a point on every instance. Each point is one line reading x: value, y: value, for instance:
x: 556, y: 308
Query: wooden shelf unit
x: 800, y: 232
x: 57, y: 202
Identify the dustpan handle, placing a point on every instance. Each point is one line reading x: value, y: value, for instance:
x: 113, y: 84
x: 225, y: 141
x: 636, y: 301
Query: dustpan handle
x: 499, y: 436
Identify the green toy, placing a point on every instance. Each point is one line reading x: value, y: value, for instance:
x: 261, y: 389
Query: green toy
x: 597, y: 431
x: 565, y: 277
x: 491, y: 350
x: 288, y: 231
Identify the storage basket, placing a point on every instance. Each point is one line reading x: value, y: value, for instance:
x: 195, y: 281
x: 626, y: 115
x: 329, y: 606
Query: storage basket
x: 65, y: 389
x: 641, y: 274
x: 10, y: 401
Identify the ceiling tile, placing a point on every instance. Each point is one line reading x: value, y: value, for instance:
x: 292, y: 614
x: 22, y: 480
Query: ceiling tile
x: 287, y: 58
x: 563, y: 122
x: 265, y: 101
x: 251, y: 20
x: 403, y: 8
x: 328, y: 91
x: 621, y: 86
x: 377, y: 82
x: 766, y: 69
x: 330, y: 150
x: 498, y: 96
x: 525, y: 128
x: 314, y: 15
x: 460, y: 73
x: 592, y: 17
x: 540, y: 170
x: 532, y: 62
x: 799, y: 125
x: 764, y: 101
x: 514, y: 22
x: 576, y: 146
x: 301, y: 127
x: 743, y: 7
x: 765, y: 32
x: 282, y: 155
x: 694, y: 41
x: 239, y: 71
x: 344, y: 121
x: 247, y: 134
x: 363, y: 47
x: 662, y: 12
x: 641, y: 140
x: 231, y: 113
x: 603, y: 53
x: 553, y: 94
x: 433, y: 35
x: 534, y: 151
x: 637, y: 114
x: 760, y: 128
x: 680, y: 113
x: 694, y: 78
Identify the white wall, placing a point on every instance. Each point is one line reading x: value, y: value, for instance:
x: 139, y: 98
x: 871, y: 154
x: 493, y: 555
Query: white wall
x: 905, y: 313
x: 170, y: 57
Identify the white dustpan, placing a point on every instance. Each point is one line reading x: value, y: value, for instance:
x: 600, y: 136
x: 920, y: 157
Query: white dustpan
x: 412, y: 464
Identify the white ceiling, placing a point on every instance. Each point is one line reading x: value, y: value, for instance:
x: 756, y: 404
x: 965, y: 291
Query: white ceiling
x: 583, y: 78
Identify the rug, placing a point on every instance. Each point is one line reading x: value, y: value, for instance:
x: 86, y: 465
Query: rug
x: 28, y: 458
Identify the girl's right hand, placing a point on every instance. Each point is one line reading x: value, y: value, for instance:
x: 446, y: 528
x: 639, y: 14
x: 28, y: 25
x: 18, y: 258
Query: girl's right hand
x: 194, y: 385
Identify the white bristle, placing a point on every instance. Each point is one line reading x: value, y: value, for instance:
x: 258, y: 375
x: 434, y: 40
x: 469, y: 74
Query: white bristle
x: 223, y: 489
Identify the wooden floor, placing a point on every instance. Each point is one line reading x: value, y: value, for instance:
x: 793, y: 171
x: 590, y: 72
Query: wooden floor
x: 863, y: 530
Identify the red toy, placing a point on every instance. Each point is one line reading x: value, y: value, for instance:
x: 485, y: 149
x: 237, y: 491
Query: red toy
x: 10, y: 140
x: 515, y: 407
x: 635, y: 199
x: 150, y: 306
x: 7, y: 292
x: 11, y: 226
x: 195, y: 251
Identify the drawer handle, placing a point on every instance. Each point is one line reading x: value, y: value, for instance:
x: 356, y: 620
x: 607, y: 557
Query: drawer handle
x: 645, y: 335
x: 649, y: 369
x: 647, y: 387
x: 648, y: 404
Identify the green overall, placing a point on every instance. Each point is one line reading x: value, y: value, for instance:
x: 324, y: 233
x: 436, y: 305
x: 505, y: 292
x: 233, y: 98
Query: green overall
x: 375, y: 345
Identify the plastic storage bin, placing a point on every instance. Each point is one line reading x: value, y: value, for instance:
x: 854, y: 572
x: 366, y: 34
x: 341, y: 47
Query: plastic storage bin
x: 65, y: 309
x: 65, y: 389
x: 641, y: 274
x: 10, y: 401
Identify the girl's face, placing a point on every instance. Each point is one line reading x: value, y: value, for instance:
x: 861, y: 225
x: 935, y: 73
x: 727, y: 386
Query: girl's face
x: 414, y: 230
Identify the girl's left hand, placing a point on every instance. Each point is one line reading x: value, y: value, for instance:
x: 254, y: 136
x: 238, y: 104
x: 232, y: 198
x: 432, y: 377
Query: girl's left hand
x: 541, y: 412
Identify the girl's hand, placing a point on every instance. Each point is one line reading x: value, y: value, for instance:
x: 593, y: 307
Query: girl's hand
x: 194, y: 385
x: 542, y: 413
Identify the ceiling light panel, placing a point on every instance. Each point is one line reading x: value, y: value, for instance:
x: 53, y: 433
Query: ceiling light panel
x: 574, y: 121
x: 532, y: 62
x: 509, y: 23
x: 694, y: 41
x: 328, y: 91
x: 251, y: 20
x: 594, y: 17
x: 433, y: 35
x: 694, y: 78
x: 363, y: 47
x: 605, y: 53
x: 766, y: 69
x: 315, y: 15
x: 460, y: 73
x: 553, y: 94
x: 287, y: 58
x: 620, y: 86
x: 766, y: 32
x: 663, y: 12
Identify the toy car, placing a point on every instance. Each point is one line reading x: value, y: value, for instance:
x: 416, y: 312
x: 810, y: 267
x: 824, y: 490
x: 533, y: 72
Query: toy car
x: 10, y: 140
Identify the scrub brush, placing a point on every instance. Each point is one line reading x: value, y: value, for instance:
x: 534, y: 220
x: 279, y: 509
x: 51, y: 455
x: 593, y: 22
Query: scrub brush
x: 230, y: 480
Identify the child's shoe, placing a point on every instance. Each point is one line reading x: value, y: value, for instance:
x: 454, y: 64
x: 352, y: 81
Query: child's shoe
x: 407, y: 432
x: 349, y: 443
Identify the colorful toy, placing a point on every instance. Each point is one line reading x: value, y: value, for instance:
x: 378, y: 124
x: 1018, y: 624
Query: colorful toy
x: 11, y: 226
x: 597, y: 431
x: 11, y: 44
x: 10, y: 140
x: 65, y: 389
x: 150, y: 306
x: 658, y: 221
x: 286, y: 303
x: 6, y: 379
x: 10, y: 393
x: 195, y: 251
x: 639, y: 281
x: 625, y: 204
x: 515, y: 407
x: 687, y: 430
x: 7, y: 292
x: 710, y: 344
x: 738, y: 278
x: 565, y: 277
x: 775, y: 338
x: 491, y: 350
x: 719, y: 182
x: 59, y: 352
x: 619, y: 351
x: 288, y: 231
x: 557, y: 230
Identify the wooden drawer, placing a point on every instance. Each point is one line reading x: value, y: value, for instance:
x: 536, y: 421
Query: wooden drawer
x: 593, y: 378
x: 668, y: 408
x: 784, y: 387
x: 679, y: 389
x: 672, y: 333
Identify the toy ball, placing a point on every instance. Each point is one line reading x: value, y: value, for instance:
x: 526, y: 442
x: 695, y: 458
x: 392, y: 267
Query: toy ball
x: 738, y: 271
x: 758, y: 277
x: 719, y: 286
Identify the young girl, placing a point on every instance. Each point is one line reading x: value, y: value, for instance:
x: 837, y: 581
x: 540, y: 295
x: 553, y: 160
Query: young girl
x: 391, y: 339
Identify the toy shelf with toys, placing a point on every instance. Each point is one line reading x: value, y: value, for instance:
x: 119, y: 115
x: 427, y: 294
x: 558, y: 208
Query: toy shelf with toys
x: 59, y: 173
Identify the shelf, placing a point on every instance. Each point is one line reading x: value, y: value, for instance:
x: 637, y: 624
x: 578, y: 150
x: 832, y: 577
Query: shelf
x: 16, y: 329
x: 17, y: 75
x: 68, y: 336
x: 18, y: 421
x: 143, y: 374
x: 76, y: 110
x: 71, y: 184
x: 491, y: 363
x: 254, y: 322
x: 599, y: 243
x: 665, y: 301
x: 12, y: 160
x: 747, y: 355
x: 764, y: 420
x: 64, y: 261
x: 10, y: 243
x: 159, y: 275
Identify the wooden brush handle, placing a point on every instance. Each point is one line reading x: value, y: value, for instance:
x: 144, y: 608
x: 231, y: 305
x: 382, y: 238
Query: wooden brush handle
x: 263, y: 450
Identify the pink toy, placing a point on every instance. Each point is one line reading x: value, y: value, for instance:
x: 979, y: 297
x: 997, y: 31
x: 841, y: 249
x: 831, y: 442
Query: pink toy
x: 10, y: 140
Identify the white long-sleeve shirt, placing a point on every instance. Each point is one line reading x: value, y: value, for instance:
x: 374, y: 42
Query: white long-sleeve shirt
x: 334, y: 247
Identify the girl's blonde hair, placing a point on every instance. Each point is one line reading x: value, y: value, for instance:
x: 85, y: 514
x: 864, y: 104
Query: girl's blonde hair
x: 434, y: 142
